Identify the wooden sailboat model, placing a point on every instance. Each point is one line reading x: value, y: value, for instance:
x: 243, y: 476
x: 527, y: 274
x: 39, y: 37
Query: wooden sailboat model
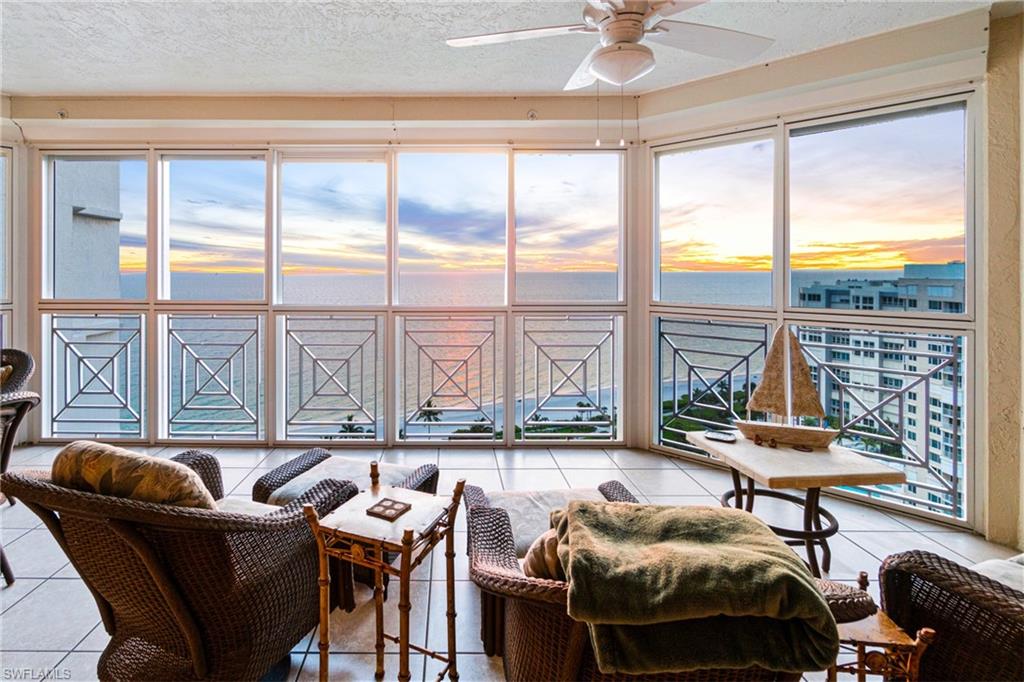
x: 786, y: 390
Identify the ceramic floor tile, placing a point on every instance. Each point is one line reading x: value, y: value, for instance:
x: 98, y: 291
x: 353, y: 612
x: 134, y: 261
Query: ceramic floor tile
x: 27, y: 627
x: 40, y: 456
x: 664, y: 482
x: 233, y: 478
x: 467, y: 458
x: 359, y: 667
x: 77, y: 666
x: 848, y: 559
x: 525, y: 458
x: 628, y: 458
x: 17, y: 516
x: 437, y: 559
x: 366, y: 454
x: 96, y: 641
x: 472, y: 668
x: 581, y: 458
x: 35, y: 555
x: 684, y: 500
x: 715, y: 481
x: 279, y: 456
x: 592, y: 478
x: 974, y: 547
x: 28, y: 665
x: 854, y: 517
x: 411, y: 456
x: 355, y: 632
x: 488, y: 479
x: 532, y: 479
x: 467, y: 621
x: 924, y: 525
x: 693, y: 461
x: 12, y: 594
x: 881, y: 545
x: 240, y: 458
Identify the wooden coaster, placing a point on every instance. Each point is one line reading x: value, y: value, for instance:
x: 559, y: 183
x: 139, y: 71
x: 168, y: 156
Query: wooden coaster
x: 388, y: 509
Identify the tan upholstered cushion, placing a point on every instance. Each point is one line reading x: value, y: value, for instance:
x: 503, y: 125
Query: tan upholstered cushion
x: 1009, y: 572
x: 541, y: 559
x: 5, y: 373
x: 109, y: 470
x: 340, y: 469
x: 529, y: 511
x: 243, y: 505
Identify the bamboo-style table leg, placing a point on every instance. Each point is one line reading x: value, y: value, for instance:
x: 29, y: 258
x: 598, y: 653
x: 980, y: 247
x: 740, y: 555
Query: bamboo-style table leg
x: 404, y: 607
x: 449, y: 554
x: 378, y: 602
x: 324, y: 582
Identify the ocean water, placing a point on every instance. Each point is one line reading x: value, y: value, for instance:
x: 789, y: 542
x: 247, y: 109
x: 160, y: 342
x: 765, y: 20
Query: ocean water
x: 487, y: 289
x: 468, y: 290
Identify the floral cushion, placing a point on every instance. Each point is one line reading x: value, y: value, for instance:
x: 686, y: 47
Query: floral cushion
x: 109, y: 470
x: 541, y: 559
x: 5, y: 373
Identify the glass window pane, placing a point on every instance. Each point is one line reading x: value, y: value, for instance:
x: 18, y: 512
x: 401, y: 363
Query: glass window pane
x: 333, y: 232
x: 5, y: 231
x: 715, y: 224
x: 567, y: 227
x: 215, y: 227
x: 877, y: 212
x: 98, y: 227
x: 451, y: 228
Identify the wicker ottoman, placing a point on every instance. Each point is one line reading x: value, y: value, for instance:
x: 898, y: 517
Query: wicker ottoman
x: 527, y: 526
x: 284, y: 483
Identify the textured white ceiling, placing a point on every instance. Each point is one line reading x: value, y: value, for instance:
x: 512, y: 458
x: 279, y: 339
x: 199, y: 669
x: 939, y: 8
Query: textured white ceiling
x: 358, y: 47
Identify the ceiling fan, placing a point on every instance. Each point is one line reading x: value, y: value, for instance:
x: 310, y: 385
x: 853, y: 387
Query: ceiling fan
x: 624, y: 27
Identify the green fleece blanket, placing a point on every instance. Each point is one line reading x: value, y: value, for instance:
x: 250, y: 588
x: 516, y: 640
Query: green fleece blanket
x: 683, y: 588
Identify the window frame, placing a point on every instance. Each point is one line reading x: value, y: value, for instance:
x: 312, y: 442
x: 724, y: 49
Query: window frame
x: 621, y: 280
x: 710, y: 141
x: 966, y: 324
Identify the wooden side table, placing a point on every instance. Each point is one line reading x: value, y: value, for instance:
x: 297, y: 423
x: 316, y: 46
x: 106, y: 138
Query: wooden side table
x: 881, y: 648
x: 785, y: 467
x: 352, y: 536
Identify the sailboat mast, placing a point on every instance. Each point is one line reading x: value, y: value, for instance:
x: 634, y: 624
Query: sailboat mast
x: 787, y: 354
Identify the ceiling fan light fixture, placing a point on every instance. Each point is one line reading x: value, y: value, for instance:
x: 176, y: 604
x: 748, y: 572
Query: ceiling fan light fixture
x: 621, y: 63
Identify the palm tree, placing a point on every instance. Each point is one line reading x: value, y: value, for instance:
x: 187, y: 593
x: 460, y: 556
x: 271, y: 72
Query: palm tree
x: 429, y: 415
x: 349, y: 426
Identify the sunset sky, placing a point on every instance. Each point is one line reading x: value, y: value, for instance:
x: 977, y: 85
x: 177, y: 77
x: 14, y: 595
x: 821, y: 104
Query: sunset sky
x: 867, y: 197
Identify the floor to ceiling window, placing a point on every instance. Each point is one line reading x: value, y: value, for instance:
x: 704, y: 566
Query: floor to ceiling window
x: 873, y: 212
x: 6, y: 247
x: 376, y: 295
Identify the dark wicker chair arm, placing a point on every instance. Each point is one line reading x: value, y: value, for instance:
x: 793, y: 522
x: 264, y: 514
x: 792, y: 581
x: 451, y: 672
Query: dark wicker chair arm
x: 278, y: 476
x: 326, y: 496
x: 423, y: 479
x: 614, y: 491
x: 23, y: 367
x: 208, y: 468
x: 979, y: 622
x: 493, y: 565
x: 473, y: 496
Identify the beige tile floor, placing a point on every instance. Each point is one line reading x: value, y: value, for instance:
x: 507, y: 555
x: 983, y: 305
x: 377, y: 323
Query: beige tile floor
x: 49, y: 626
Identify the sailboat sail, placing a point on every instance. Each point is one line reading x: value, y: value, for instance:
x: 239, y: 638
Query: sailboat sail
x: 770, y: 395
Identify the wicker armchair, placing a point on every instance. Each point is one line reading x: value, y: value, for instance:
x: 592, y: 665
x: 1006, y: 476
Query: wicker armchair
x: 16, y: 401
x: 492, y: 606
x: 188, y: 594
x: 541, y: 641
x: 978, y: 622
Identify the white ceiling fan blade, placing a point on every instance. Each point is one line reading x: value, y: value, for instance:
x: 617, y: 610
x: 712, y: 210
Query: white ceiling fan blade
x: 582, y: 77
x: 711, y: 41
x: 668, y: 8
x: 524, y: 34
